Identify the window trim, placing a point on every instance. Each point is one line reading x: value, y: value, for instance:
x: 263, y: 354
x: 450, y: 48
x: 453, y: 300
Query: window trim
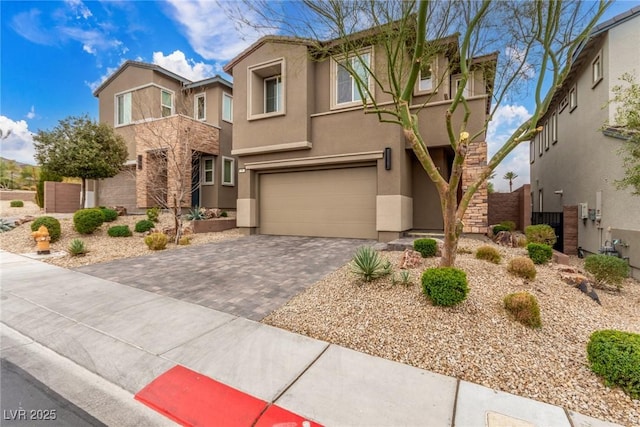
x: 278, y: 96
x: 573, y: 98
x: 532, y: 150
x: 563, y: 104
x: 226, y: 95
x: 233, y: 167
x: 434, y: 72
x: 162, y: 106
x: 202, y: 95
x: 333, y: 83
x: 116, y: 111
x: 547, y: 135
x: 554, y: 128
x: 203, y: 180
x: 596, y: 64
x: 254, y: 69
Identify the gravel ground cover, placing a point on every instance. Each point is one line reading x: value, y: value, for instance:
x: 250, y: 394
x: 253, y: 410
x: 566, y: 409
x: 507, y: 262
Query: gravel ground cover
x: 476, y: 341
x: 101, y: 247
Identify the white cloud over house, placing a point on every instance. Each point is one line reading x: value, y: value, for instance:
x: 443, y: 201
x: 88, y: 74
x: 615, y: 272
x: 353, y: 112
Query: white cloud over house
x: 32, y: 113
x: 210, y: 32
x: 178, y: 63
x: 16, y: 140
x: 506, y: 121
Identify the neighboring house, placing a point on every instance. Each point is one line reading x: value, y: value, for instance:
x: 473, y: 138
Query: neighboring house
x: 178, y: 135
x: 311, y: 163
x: 574, y: 162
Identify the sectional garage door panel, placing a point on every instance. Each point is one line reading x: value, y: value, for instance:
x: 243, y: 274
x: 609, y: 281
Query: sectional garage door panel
x: 324, y: 203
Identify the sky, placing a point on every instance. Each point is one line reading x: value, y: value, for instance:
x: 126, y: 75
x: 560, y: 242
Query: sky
x: 53, y: 54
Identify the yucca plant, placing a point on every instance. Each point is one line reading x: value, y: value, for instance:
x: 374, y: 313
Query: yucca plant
x: 77, y: 247
x: 6, y: 225
x: 405, y: 278
x: 368, y: 264
x: 195, y: 214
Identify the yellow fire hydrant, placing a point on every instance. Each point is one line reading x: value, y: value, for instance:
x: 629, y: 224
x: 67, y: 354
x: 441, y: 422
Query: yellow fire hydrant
x: 42, y: 238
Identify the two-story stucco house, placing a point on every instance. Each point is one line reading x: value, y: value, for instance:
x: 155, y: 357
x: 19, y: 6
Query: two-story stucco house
x: 177, y: 131
x: 311, y: 163
x: 575, y: 161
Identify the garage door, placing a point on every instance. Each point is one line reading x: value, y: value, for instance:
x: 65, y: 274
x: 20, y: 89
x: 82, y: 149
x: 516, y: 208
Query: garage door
x: 324, y: 203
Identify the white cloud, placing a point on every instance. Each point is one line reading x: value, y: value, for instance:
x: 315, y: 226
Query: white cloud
x: 179, y: 64
x: 506, y: 121
x: 79, y: 8
x: 110, y: 70
x: 17, y: 140
x: 31, y: 114
x: 211, y: 33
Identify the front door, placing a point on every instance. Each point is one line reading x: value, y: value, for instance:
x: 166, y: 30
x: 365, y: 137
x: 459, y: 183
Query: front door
x: 195, y: 181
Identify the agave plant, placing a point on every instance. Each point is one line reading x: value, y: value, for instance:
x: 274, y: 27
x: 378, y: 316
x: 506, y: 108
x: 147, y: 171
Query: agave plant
x: 77, y: 247
x: 195, y: 214
x: 6, y: 225
x: 368, y: 264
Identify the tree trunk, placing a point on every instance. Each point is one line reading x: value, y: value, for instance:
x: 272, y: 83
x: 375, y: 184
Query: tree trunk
x: 452, y: 229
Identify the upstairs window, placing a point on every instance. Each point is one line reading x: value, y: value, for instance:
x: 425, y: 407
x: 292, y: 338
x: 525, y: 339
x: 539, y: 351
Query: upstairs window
x: 166, y: 103
x: 273, y: 94
x: 267, y: 91
x: 200, y: 107
x: 123, y: 109
x: 227, y: 107
x: 532, y: 150
x: 596, y: 70
x: 573, y: 98
x: 554, y: 128
x: 344, y: 86
x: 547, y: 134
x: 467, y: 91
x: 426, y: 78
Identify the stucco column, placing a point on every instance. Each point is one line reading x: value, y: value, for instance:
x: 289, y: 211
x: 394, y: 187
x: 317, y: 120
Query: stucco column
x: 475, y: 218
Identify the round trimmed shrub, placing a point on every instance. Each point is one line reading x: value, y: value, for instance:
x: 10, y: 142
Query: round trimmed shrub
x: 511, y: 225
x: 16, y: 204
x: 143, y: 226
x: 539, y: 253
x: 541, y: 233
x: 445, y: 286
x: 86, y: 221
x: 156, y: 241
x: 488, y: 253
x: 524, y: 308
x: 607, y: 269
x: 153, y: 214
x: 52, y: 224
x: 426, y: 247
x: 522, y: 267
x: 110, y: 215
x: 119, y: 231
x: 615, y: 355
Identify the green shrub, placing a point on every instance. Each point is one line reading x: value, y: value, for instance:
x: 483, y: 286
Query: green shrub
x: 615, y: 355
x: 498, y: 228
x: 119, y: 231
x: 153, y: 214
x: 110, y: 215
x: 522, y: 267
x: 539, y: 253
x: 224, y: 214
x: 426, y: 247
x: 463, y: 250
x: 607, y: 269
x: 52, y: 224
x: 6, y: 225
x: 509, y: 224
x: 488, y: 253
x: 86, y: 221
x: 184, y: 240
x: 445, y: 286
x: 45, y: 175
x: 16, y: 204
x: 77, y: 247
x: 156, y: 241
x: 368, y: 264
x: 143, y: 226
x: 524, y: 308
x: 541, y: 233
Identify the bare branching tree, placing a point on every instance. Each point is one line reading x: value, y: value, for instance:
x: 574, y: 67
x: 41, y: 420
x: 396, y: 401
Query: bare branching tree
x: 169, y: 150
x: 536, y: 42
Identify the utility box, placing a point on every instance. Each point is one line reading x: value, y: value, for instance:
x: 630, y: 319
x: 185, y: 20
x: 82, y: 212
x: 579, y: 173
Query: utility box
x: 583, y: 211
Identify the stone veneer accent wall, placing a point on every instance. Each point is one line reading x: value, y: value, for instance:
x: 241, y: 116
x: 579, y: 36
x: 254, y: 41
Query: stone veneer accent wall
x: 475, y: 218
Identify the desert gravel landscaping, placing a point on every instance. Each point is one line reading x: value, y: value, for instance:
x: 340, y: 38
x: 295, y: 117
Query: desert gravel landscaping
x: 474, y: 341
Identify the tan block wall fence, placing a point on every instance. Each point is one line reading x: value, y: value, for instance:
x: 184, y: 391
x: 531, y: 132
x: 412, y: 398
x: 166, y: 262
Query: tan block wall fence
x: 515, y: 206
x: 61, y: 197
x: 25, y: 196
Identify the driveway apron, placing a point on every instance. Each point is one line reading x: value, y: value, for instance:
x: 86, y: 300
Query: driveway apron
x: 247, y: 277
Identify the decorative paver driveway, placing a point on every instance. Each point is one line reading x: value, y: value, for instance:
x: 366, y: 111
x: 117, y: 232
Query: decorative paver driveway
x: 247, y: 277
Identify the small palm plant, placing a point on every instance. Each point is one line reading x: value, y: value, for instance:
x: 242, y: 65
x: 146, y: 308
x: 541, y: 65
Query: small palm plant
x: 368, y: 264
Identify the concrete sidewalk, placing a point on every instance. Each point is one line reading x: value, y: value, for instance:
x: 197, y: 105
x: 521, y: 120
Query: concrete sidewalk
x: 130, y: 336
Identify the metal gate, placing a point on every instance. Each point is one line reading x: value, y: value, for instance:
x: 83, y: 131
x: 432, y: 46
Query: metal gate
x: 555, y: 220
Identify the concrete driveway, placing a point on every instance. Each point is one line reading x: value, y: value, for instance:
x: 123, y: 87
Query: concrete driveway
x: 247, y: 277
